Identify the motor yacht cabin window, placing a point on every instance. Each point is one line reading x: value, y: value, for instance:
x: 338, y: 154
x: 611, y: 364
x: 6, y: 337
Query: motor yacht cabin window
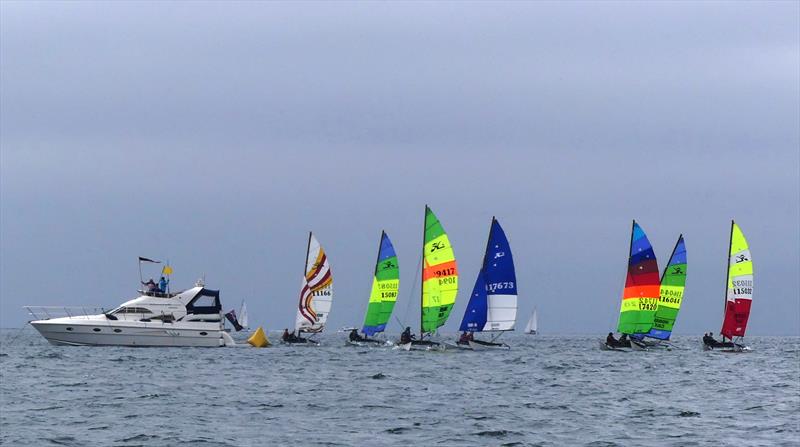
x: 205, y: 302
x: 132, y: 310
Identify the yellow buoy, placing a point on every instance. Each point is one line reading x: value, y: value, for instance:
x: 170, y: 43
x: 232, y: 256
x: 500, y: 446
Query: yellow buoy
x: 259, y: 339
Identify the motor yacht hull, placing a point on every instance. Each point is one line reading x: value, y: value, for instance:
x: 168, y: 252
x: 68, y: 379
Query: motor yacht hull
x: 82, y: 332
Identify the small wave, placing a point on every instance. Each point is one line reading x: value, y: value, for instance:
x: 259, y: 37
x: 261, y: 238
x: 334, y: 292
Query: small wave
x: 270, y: 406
x: 63, y: 440
x: 495, y: 433
x: 55, y: 407
x: 70, y: 385
x: 379, y: 376
x: 757, y: 407
x: 139, y: 437
x: 397, y: 430
x: 151, y: 396
x: 688, y: 414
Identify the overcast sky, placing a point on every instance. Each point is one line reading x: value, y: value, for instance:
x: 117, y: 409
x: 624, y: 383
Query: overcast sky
x: 216, y: 135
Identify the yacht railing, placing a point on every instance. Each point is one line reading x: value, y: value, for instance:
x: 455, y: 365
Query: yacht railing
x: 50, y: 312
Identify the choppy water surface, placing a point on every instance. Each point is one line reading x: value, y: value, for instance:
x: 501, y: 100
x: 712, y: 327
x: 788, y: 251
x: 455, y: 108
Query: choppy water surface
x: 545, y: 391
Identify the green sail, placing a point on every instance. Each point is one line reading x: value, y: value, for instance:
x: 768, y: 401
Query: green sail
x: 385, y: 286
x: 673, y: 282
x: 439, y: 275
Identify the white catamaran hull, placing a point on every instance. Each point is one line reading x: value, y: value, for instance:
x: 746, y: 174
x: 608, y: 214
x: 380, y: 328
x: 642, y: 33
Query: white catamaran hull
x: 478, y: 346
x: 83, y: 332
x: 605, y: 347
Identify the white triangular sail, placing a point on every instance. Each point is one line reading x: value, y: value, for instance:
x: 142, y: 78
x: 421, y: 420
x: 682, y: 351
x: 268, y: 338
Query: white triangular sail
x: 316, y: 290
x: 533, y: 324
x: 243, y: 315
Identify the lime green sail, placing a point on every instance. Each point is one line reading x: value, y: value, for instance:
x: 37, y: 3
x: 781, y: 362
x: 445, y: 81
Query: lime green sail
x: 439, y: 275
x: 673, y: 282
x: 385, y: 286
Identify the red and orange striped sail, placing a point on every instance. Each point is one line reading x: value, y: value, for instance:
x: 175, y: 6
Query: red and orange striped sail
x: 316, y: 291
x: 642, y: 286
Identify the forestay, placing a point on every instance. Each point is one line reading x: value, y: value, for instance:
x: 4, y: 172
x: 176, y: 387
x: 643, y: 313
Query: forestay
x: 493, y: 303
x: 316, y: 291
x: 385, y: 285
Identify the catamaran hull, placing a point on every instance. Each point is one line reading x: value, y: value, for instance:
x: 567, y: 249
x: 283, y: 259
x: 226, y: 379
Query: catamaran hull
x: 605, y: 347
x: 422, y: 346
x: 734, y: 349
x: 369, y: 343
x: 104, y: 334
x: 478, y: 346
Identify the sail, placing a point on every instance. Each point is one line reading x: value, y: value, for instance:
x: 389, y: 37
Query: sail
x: 316, y: 290
x: 385, y: 285
x: 439, y: 275
x: 243, y: 315
x: 739, y: 290
x: 673, y: 282
x: 493, y: 303
x: 533, y: 323
x: 642, y: 286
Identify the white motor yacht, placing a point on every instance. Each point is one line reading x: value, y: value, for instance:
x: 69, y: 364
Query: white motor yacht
x: 192, y: 317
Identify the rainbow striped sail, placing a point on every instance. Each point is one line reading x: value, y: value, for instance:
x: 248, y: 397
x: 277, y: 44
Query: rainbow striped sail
x: 385, y: 285
x: 439, y: 275
x: 673, y: 282
x: 316, y: 291
x: 739, y: 285
x: 642, y: 286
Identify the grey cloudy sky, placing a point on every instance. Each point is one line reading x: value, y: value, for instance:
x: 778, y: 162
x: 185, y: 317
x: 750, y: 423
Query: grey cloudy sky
x: 217, y: 134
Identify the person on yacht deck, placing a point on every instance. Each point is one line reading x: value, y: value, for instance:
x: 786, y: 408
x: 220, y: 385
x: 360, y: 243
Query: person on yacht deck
x: 162, y: 285
x: 150, y: 285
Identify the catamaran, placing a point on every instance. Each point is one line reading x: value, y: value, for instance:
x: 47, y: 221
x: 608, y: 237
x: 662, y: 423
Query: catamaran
x: 385, y: 285
x: 439, y: 284
x: 641, y: 294
x: 673, y: 283
x: 532, y: 328
x: 492, y: 306
x: 738, y: 295
x: 316, y: 295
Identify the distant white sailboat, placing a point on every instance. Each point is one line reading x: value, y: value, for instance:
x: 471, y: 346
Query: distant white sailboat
x: 532, y: 328
x: 243, y: 316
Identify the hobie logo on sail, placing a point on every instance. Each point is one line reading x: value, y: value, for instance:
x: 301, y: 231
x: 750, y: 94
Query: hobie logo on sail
x: 437, y: 246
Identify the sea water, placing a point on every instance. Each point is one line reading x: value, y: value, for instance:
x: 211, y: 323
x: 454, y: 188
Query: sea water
x: 546, y: 390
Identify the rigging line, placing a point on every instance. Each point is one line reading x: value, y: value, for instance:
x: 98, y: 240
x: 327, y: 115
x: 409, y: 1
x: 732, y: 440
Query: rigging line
x: 410, y: 295
x: 17, y: 335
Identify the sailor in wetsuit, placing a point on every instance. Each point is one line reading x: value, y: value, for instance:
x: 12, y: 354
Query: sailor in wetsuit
x: 354, y: 336
x: 406, y: 336
x: 465, y: 338
x: 610, y: 340
x: 285, y: 336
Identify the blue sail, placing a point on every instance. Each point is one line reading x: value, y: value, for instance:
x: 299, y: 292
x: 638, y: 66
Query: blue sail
x: 475, y: 316
x: 494, y: 308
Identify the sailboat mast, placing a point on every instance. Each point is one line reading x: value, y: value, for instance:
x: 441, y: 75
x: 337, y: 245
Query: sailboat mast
x: 630, y: 247
x: 422, y: 278
x: 378, y: 257
x: 488, y: 240
x: 664, y: 273
x: 308, y: 249
x: 727, y: 277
